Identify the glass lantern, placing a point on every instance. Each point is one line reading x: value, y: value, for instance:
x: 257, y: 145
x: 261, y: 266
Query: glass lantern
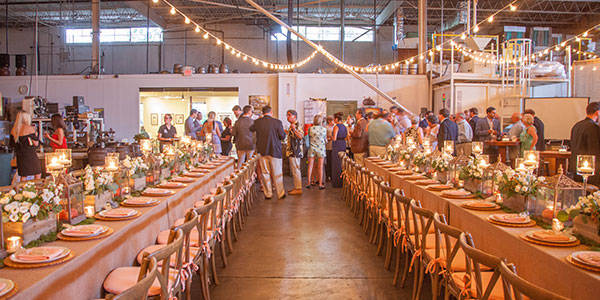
x: 53, y: 164
x: 65, y: 157
x: 488, y: 180
x: 456, y: 164
x: 531, y: 159
x: 146, y: 146
x: 557, y: 193
x: 72, y: 201
x: 111, y: 163
x: 477, y: 148
x: 586, y: 167
x: 448, y: 147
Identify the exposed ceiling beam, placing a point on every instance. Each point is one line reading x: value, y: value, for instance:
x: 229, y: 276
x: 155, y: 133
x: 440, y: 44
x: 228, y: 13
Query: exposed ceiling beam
x: 387, y: 12
x: 149, y: 13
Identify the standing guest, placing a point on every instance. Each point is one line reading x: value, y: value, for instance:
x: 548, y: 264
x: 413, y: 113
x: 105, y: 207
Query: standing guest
x: 237, y: 111
x: 473, y: 119
x: 350, y: 123
x: 467, y: 115
x: 269, y: 134
x: 381, y: 133
x: 424, y: 124
x: 432, y: 130
x: 528, y: 136
x: 211, y: 127
x: 244, y: 139
x: 448, y: 129
x: 585, y: 140
x: 369, y: 116
x: 488, y: 129
x: 198, y: 125
x: 58, y: 140
x: 465, y: 135
x: 294, y: 150
x: 414, y: 131
x: 24, y: 139
x: 317, y: 137
x: 359, y: 139
x: 166, y: 132
x: 226, y: 144
x: 328, y: 162
x: 514, y: 134
x: 539, y: 126
x: 403, y: 119
x: 191, y: 124
x: 213, y: 116
x: 338, y: 145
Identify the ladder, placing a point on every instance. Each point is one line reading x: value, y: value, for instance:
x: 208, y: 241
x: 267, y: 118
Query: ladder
x: 516, y: 76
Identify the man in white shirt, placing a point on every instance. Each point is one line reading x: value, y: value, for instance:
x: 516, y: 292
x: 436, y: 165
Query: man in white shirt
x: 515, y: 131
x: 465, y: 135
x: 402, y: 121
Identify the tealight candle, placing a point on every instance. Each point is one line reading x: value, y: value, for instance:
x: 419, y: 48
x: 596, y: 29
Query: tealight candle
x: 505, y: 138
x: 13, y: 243
x: 90, y: 211
x: 112, y: 167
x: 55, y: 165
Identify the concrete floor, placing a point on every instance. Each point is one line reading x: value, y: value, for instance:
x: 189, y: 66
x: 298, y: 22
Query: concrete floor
x: 305, y: 247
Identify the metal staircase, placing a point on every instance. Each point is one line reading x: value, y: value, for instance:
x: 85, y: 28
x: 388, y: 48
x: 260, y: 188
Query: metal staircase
x: 516, y: 76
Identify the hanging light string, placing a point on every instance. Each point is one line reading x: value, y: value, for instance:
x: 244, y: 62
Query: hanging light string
x: 566, y: 43
x: 392, y: 66
x: 234, y: 51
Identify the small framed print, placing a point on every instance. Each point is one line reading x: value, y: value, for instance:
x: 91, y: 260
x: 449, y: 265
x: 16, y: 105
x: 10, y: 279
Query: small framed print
x: 179, y: 118
x: 154, y: 119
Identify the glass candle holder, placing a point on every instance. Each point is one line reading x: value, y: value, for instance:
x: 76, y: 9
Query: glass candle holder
x: 65, y: 157
x: 111, y: 163
x: 13, y: 244
x: 410, y: 141
x: 146, y: 146
x: 586, y: 165
x: 519, y: 165
x: 477, y: 148
x: 53, y: 162
x: 484, y: 161
x: 449, y: 147
x: 531, y: 158
x: 90, y: 211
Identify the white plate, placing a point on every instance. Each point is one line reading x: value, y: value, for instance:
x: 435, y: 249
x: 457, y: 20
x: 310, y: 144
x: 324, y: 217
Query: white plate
x: 530, y: 235
x: 65, y: 252
x: 158, y: 191
x: 474, y: 203
x: 574, y: 256
x: 495, y: 218
x: 132, y: 212
x: 66, y: 233
x: 9, y: 286
x: 148, y: 201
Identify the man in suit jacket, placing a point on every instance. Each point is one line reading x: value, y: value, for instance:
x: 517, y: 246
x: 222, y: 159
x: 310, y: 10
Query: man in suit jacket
x: 448, y: 129
x: 359, y: 139
x: 269, y: 134
x: 474, y: 118
x: 488, y: 128
x: 585, y: 140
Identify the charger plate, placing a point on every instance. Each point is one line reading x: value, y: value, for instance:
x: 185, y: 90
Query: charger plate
x: 85, y: 238
x: 99, y: 217
x: 12, y: 292
x: 9, y: 262
x: 524, y: 237
x: 530, y: 224
x: 583, y: 266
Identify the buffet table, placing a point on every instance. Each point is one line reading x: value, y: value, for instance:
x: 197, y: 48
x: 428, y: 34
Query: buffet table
x: 82, y: 277
x: 546, y: 267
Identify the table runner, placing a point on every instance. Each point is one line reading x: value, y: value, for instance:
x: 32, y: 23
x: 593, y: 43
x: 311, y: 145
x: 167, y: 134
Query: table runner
x: 82, y: 277
x: 543, y: 266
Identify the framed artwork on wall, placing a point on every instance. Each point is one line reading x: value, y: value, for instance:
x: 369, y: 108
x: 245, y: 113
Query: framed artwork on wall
x: 154, y: 119
x: 258, y: 102
x: 179, y: 118
x: 222, y: 115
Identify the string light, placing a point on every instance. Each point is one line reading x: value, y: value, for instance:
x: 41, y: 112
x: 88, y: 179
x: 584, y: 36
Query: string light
x: 155, y: 1
x: 491, y: 19
x: 463, y: 36
x: 585, y: 34
x: 197, y: 29
x: 206, y: 35
x: 187, y: 20
x: 513, y: 7
x: 172, y: 11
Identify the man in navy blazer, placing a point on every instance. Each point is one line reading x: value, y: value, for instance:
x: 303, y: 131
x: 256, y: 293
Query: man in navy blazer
x: 269, y: 134
x: 448, y: 129
x: 488, y: 128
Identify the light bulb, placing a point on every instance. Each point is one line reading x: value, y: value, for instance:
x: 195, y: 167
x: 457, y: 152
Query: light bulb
x: 187, y: 20
x: 172, y: 11
x: 232, y: 51
x: 578, y: 39
x: 206, y: 35
x: 556, y: 48
x: 491, y: 19
x: 226, y: 47
x: 513, y: 7
x: 476, y: 28
x: 463, y: 36
x: 245, y: 57
x: 563, y: 44
x: 155, y: 1
x: 197, y: 29
x: 219, y: 42
x: 585, y: 34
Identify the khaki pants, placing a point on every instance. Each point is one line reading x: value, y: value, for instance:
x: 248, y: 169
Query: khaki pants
x: 295, y: 170
x: 464, y: 149
x: 243, y: 156
x: 360, y: 158
x: 377, y: 151
x: 271, y: 165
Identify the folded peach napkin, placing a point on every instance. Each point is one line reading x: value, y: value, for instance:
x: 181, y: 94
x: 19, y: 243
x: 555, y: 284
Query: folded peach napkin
x: 118, y: 212
x: 40, y: 254
x: 84, y: 230
x: 590, y: 258
x: 2, y: 286
x: 549, y: 235
x: 139, y: 200
x: 512, y: 218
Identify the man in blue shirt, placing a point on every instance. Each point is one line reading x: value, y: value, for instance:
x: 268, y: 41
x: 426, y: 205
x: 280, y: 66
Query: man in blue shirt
x: 423, y: 124
x: 191, y: 126
x: 381, y: 134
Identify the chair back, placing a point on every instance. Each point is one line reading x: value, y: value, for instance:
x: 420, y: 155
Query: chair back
x: 521, y: 286
x: 174, y: 246
x: 229, y: 196
x: 422, y: 222
x: 404, y: 206
x: 204, y: 212
x: 375, y: 190
x: 475, y: 258
x: 148, y: 273
x: 446, y: 241
x: 387, y: 199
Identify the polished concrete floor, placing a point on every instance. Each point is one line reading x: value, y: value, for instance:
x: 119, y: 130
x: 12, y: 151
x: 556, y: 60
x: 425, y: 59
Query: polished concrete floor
x: 305, y: 247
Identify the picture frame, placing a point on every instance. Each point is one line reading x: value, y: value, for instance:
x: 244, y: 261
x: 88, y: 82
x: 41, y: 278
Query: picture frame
x: 179, y: 119
x: 154, y: 119
x: 258, y: 102
x: 222, y: 115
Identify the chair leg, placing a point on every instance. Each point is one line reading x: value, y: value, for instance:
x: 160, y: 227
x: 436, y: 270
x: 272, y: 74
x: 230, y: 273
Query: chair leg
x: 406, y: 269
x: 388, y: 252
x: 434, y: 284
x: 222, y: 244
x: 234, y: 226
x: 397, y: 269
x: 229, y: 229
x: 213, y: 267
x: 204, y: 278
x: 381, y: 239
x: 417, y: 269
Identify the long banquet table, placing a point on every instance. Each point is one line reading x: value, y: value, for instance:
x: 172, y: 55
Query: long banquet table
x: 546, y: 267
x: 82, y: 277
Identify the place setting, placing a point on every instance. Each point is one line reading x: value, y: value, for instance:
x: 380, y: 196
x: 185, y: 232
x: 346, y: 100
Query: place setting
x: 457, y: 194
x: 157, y: 192
x: 551, y: 238
x: 183, y: 179
x: 140, y: 201
x: 118, y: 214
x: 426, y: 182
x: 403, y: 172
x: 511, y: 220
x: 171, y: 185
x: 8, y: 288
x: 480, y: 205
x: 193, y: 174
x: 39, y: 257
x: 439, y: 187
x: 84, y: 232
x: 416, y: 177
x: 589, y: 260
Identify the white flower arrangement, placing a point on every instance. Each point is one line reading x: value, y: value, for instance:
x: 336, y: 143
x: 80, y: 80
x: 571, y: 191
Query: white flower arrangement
x: 587, y: 206
x: 441, y: 163
x: 31, y: 203
x: 137, y: 166
x: 96, y: 181
x: 473, y: 170
x: 511, y: 182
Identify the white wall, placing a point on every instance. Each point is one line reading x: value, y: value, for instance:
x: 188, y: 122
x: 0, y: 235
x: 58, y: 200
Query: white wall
x: 120, y: 96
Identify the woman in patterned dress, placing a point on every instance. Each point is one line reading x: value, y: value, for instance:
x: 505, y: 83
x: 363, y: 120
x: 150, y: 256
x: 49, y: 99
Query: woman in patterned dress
x: 317, y: 136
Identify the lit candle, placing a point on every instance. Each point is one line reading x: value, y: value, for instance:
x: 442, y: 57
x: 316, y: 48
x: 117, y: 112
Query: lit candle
x: 13, y: 244
x: 112, y: 167
x: 505, y: 138
x: 557, y: 225
x: 90, y: 211
x: 585, y: 168
x: 55, y: 165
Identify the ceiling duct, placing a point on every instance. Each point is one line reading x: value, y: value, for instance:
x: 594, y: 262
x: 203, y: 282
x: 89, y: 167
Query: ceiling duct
x: 460, y: 19
x: 399, y: 33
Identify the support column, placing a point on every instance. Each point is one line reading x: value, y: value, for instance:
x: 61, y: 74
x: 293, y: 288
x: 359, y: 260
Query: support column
x: 342, y: 29
x: 422, y: 34
x: 95, y: 36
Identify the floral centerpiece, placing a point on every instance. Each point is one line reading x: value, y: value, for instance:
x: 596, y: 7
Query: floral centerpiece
x: 99, y: 187
x: 585, y: 215
x: 472, y: 174
x: 420, y: 161
x: 516, y: 187
x: 137, y: 171
x: 30, y: 213
x: 440, y: 165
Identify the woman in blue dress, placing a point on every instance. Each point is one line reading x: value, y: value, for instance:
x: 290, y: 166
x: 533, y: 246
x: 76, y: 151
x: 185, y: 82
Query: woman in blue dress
x: 338, y: 145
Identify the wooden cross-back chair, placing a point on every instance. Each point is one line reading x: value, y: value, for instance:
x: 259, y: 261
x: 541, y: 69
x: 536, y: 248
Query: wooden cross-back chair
x: 148, y: 273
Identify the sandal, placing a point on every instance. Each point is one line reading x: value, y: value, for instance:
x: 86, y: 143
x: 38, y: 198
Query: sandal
x: 313, y: 183
x: 321, y: 187
x: 307, y: 186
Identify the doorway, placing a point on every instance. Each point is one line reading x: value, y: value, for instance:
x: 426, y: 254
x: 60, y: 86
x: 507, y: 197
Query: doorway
x: 346, y: 107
